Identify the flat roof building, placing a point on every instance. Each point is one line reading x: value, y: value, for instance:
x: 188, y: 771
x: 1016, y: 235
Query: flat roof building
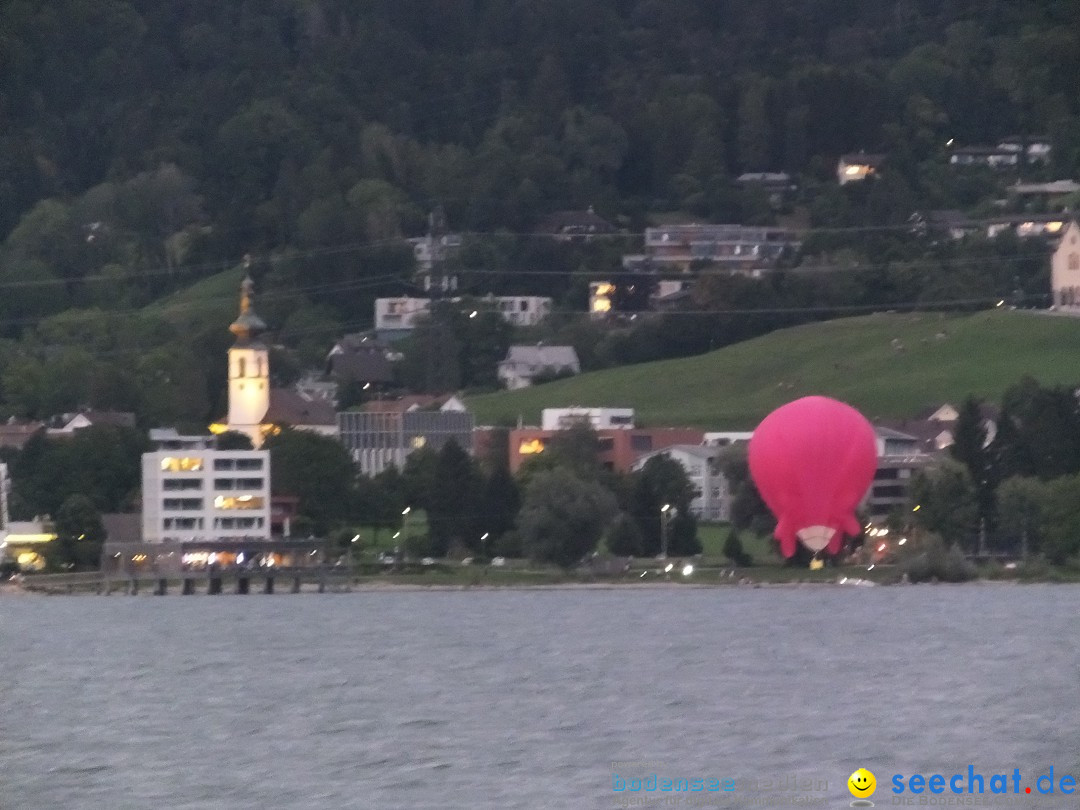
x: 198, y: 494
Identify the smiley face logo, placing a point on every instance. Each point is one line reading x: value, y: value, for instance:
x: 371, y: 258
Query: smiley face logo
x: 862, y: 784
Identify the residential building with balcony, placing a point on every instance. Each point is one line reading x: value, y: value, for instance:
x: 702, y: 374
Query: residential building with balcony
x: 192, y: 492
x: 702, y: 464
x: 737, y: 247
x: 396, y: 317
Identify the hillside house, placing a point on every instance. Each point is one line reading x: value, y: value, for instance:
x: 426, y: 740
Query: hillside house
x: 575, y: 226
x: 852, y: 168
x: 1065, y: 270
x: 737, y: 247
x: 523, y: 364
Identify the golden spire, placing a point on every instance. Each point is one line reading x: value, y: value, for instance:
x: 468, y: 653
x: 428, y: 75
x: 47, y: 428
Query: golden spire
x: 247, y: 325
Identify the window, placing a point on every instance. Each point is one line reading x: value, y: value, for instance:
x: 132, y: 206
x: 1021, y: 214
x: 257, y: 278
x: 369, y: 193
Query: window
x: 181, y: 464
x: 172, y: 484
x: 886, y: 475
x: 240, y: 502
x: 249, y: 464
x: 224, y: 464
x: 182, y: 504
x: 1074, y: 261
x: 529, y: 447
x: 888, y: 491
x: 249, y: 483
x: 224, y: 483
x: 241, y: 367
x: 622, y: 420
x: 641, y: 442
x: 605, y: 444
x: 524, y: 306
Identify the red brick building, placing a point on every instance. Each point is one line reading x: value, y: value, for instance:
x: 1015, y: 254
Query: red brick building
x: 618, y: 447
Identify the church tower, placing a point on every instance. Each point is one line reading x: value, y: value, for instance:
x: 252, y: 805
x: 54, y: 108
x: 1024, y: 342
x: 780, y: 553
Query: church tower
x: 249, y: 370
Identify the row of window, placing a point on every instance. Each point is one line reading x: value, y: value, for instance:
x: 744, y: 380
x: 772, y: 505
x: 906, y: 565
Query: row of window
x: 195, y: 464
x: 182, y: 504
x: 220, y: 484
x: 238, y: 463
x: 182, y: 523
x: 174, y: 484
x: 219, y: 523
x: 220, y: 502
x: 239, y: 523
x: 237, y: 483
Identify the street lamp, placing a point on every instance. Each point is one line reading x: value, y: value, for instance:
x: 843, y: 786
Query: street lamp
x: 664, y: 510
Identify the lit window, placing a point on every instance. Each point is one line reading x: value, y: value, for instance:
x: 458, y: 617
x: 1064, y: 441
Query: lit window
x: 241, y: 502
x: 181, y: 464
x: 530, y: 447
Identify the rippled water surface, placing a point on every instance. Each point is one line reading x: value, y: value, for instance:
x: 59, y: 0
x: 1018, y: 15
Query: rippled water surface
x: 524, y: 699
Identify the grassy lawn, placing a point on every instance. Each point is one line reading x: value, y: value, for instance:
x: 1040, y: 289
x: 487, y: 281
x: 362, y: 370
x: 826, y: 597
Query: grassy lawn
x: 714, y: 535
x: 887, y: 365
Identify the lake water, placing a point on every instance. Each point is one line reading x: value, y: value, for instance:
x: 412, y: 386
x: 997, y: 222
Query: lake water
x: 525, y: 699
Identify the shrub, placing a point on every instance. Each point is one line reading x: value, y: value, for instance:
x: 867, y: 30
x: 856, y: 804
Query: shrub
x: 623, y: 538
x: 733, y: 549
x: 936, y: 562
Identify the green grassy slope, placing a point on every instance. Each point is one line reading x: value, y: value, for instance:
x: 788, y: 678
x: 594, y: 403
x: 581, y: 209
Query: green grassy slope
x: 887, y: 365
x: 210, y: 299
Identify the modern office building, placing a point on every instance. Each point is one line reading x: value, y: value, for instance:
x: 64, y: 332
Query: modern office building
x: 377, y: 440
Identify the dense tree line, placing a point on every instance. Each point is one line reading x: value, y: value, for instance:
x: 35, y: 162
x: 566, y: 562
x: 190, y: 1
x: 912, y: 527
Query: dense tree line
x: 560, y: 508
x: 1015, y: 487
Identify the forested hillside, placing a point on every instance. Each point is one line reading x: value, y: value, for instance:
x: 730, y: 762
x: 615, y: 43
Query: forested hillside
x: 145, y: 144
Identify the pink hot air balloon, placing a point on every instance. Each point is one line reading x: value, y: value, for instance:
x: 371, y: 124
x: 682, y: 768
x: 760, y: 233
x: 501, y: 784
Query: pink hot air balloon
x: 813, y: 460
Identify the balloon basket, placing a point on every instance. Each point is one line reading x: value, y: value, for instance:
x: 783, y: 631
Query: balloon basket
x: 816, y: 564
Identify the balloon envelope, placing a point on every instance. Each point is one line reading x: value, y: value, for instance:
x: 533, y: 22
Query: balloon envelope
x: 813, y: 460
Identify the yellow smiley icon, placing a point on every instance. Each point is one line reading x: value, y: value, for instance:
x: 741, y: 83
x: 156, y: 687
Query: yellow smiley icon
x: 862, y: 783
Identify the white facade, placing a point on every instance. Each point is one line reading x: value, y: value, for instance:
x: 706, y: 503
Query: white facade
x: 249, y: 390
x: 701, y: 463
x: 596, y: 418
x: 194, y: 493
x: 525, y: 363
x: 1065, y: 270
x: 722, y: 438
x: 403, y: 312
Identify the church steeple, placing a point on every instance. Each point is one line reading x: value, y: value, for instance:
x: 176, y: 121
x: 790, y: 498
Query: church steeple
x: 247, y: 326
x: 249, y: 370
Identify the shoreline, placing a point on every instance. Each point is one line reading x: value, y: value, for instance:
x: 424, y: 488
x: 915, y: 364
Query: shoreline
x: 18, y: 590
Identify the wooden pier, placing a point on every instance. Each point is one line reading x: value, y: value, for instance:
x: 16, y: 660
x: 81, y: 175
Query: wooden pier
x: 319, y: 579
x: 243, y: 566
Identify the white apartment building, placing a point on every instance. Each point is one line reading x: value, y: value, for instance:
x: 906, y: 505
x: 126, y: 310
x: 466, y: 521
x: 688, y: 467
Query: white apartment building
x: 703, y: 468
x: 193, y: 492
x: 402, y: 313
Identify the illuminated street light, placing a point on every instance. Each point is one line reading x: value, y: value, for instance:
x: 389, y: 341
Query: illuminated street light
x: 664, y: 530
